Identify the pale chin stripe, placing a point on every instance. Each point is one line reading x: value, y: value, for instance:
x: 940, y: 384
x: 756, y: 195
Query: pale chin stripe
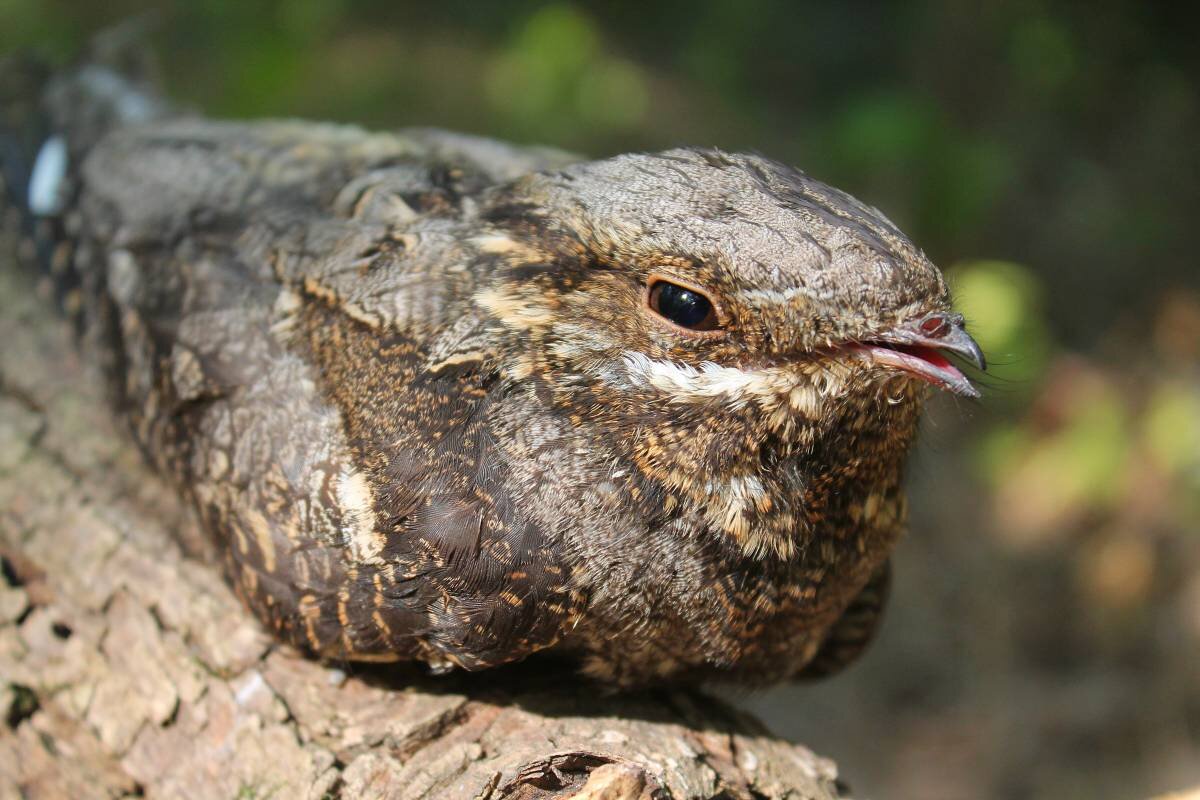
x: 686, y: 383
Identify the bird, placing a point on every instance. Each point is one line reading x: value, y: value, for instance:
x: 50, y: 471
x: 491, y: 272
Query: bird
x: 442, y: 399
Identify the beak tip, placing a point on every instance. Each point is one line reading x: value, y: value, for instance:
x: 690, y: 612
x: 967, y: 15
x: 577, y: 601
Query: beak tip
x: 978, y: 357
x: 957, y: 340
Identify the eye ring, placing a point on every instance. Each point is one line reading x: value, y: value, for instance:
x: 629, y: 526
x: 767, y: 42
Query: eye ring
x: 683, y: 307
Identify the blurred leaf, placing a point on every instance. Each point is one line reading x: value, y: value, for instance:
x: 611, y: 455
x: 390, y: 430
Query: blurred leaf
x: 1117, y: 571
x: 1050, y: 478
x: 966, y: 178
x: 264, y: 78
x: 1171, y: 427
x: 554, y: 79
x: 33, y: 23
x: 534, y: 81
x: 310, y: 20
x: 557, y: 39
x: 613, y: 94
x: 1042, y: 54
x: 883, y: 129
x: 999, y: 449
x: 906, y: 146
x: 1177, y: 326
x: 1002, y: 302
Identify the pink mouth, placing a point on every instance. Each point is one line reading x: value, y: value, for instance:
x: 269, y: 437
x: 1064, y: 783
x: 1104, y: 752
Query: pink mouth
x: 923, y: 362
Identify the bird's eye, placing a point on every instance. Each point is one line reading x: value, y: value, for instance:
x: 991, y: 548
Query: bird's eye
x: 687, y: 308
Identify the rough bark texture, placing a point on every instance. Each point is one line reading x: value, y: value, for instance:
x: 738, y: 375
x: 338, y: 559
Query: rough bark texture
x: 127, y: 667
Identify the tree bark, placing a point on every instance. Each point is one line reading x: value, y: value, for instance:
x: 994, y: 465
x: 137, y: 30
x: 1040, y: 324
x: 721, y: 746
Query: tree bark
x: 128, y: 668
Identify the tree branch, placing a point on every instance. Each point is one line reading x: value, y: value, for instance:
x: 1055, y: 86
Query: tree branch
x: 127, y: 667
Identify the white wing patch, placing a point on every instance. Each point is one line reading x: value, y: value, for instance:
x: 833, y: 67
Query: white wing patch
x: 46, y: 181
x: 357, y: 503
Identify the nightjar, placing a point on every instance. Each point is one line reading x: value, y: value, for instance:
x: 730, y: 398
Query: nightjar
x: 444, y: 399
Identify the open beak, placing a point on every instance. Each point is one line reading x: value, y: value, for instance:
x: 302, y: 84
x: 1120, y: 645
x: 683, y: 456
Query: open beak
x: 916, y: 347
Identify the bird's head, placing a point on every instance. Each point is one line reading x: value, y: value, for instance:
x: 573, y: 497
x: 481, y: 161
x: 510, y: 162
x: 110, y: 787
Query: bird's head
x: 737, y: 330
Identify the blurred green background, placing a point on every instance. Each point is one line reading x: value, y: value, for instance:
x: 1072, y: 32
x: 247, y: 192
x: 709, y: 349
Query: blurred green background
x: 1044, y: 635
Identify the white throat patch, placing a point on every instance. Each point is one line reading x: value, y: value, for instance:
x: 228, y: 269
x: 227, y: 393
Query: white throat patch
x: 770, y: 387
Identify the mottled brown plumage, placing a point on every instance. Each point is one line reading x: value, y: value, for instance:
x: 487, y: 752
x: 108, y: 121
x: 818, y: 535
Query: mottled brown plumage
x: 424, y: 392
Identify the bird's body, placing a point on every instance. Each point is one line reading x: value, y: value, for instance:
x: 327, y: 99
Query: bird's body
x: 442, y: 399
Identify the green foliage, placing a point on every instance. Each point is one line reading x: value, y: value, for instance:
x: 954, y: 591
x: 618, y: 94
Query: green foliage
x: 1004, y: 307
x: 554, y: 76
x: 1172, y: 426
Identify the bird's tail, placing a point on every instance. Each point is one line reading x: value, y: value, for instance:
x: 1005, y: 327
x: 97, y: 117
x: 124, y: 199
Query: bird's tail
x: 49, y: 121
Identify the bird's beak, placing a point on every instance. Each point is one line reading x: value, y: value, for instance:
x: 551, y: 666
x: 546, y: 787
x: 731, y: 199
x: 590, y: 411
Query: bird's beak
x: 916, y: 347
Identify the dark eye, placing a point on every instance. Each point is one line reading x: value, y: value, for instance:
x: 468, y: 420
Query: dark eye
x: 685, y: 307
